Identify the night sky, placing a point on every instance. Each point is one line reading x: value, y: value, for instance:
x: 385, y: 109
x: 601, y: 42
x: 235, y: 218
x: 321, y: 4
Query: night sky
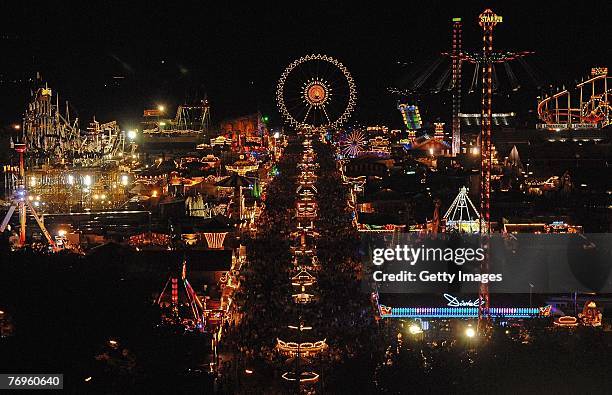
x: 170, y: 52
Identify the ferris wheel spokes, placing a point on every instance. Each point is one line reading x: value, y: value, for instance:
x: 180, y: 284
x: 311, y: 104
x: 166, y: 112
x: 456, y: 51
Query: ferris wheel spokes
x: 316, y: 91
x: 306, y: 116
x: 326, y: 116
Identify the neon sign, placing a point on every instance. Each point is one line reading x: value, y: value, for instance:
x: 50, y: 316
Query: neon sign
x: 461, y: 312
x: 599, y: 71
x: 491, y: 18
x: 454, y: 302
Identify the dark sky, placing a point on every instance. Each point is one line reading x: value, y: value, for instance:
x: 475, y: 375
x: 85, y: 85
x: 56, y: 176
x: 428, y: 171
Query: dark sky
x: 170, y: 51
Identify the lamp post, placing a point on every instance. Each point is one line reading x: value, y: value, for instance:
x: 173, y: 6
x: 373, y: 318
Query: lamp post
x: 298, y: 374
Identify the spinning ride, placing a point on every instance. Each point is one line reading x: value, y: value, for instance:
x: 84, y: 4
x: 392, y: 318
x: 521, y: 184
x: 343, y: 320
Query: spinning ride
x: 353, y: 144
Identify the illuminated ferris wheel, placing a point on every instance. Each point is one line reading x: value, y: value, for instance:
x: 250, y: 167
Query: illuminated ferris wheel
x: 316, y: 91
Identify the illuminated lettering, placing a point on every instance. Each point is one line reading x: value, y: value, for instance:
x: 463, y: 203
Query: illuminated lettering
x: 491, y: 19
x: 454, y: 302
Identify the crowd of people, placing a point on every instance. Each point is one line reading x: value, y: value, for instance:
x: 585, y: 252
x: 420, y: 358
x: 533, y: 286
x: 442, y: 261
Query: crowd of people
x: 340, y: 312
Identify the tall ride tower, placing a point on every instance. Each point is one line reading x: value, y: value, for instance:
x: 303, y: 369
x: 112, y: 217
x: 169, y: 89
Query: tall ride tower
x: 456, y: 84
x: 485, y: 60
x: 487, y: 20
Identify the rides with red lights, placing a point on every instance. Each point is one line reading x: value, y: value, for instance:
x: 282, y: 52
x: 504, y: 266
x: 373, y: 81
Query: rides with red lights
x: 566, y: 321
x: 590, y: 316
x: 180, y: 305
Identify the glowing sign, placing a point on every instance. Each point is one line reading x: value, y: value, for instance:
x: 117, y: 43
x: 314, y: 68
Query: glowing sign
x: 457, y: 308
x: 491, y: 18
x: 454, y: 302
x: 152, y: 113
x: 461, y: 312
x: 599, y: 71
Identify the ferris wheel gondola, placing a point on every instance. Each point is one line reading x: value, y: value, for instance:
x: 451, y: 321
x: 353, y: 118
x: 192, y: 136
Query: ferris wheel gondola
x: 316, y: 91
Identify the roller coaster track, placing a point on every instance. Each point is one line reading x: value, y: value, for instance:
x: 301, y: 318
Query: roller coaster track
x: 585, y: 106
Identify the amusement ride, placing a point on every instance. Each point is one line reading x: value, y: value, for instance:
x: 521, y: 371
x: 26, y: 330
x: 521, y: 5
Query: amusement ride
x: 316, y: 91
x: 353, y: 143
x: 587, y: 106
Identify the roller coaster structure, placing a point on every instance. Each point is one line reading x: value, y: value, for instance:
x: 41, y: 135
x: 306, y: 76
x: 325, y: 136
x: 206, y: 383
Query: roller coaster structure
x: 587, y: 106
x: 53, y: 137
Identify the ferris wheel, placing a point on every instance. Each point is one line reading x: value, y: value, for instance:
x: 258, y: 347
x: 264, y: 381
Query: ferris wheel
x: 316, y: 91
x: 353, y: 144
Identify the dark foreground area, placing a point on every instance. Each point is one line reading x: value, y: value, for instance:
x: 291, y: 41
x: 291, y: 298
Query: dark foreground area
x: 88, y: 318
